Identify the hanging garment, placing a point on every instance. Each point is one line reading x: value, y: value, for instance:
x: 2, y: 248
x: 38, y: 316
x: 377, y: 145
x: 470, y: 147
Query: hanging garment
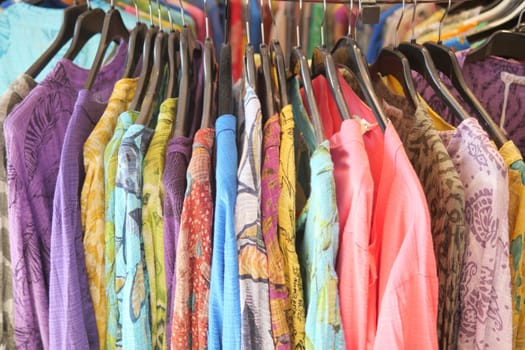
x: 131, y: 275
x: 113, y: 334
x: 499, y: 84
x: 14, y: 94
x: 286, y: 229
x: 224, y: 329
x: 270, y: 192
x: 72, y: 323
x: 92, y: 207
x: 193, y: 266
x: 253, y: 260
x: 485, y: 296
x: 34, y: 132
x: 153, y: 220
x: 445, y: 197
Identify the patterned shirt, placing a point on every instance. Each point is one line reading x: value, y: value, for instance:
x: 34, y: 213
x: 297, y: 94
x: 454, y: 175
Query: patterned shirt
x: 125, y: 120
x: 193, y: 266
x: 318, y: 242
x: 253, y: 260
x: 485, y: 295
x: 224, y: 330
x: 153, y: 220
x: 92, y: 208
x: 14, y: 94
x: 34, y: 133
x: 131, y: 275
x: 286, y: 230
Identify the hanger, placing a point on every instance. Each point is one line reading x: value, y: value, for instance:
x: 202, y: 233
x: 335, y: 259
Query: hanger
x: 502, y: 43
x: 135, y: 45
x: 71, y: 15
x: 347, y: 53
x: 225, y: 83
x: 392, y: 62
x: 187, y: 49
x: 447, y: 63
x: 89, y: 23
x: 278, y: 60
x: 172, y: 89
x: 208, y: 117
x: 147, y: 64
x: 113, y: 29
x: 421, y: 62
x: 249, y: 53
x: 160, y: 59
x: 323, y: 63
x: 264, y: 52
x: 299, y: 65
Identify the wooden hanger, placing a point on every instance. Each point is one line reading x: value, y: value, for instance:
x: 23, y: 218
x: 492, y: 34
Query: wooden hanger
x: 135, y: 45
x: 113, y: 29
x: 89, y: 23
x: 67, y: 30
x: 172, y: 89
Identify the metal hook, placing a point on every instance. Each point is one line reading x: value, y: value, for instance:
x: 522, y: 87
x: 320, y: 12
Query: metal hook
x: 247, y: 22
x: 412, y: 35
x: 88, y: 4
x: 323, y: 23
x: 159, y: 15
x: 170, y: 18
x: 441, y: 21
x: 350, y: 34
x: 297, y: 29
x: 396, y: 37
x: 271, y: 14
x: 519, y: 19
x: 136, y: 10
x: 206, y: 20
x: 150, y: 14
x: 262, y: 21
x: 182, y: 13
x: 359, y: 8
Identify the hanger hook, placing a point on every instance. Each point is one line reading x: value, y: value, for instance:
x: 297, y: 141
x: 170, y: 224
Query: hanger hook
x: 323, y: 23
x: 247, y: 23
x: 159, y: 15
x: 297, y: 29
x: 182, y: 13
x: 412, y: 35
x: 206, y: 20
x: 170, y: 18
x: 520, y: 17
x: 359, y: 7
x: 350, y: 34
x: 150, y: 14
x: 88, y: 4
x: 271, y: 14
x: 396, y: 37
x: 262, y: 22
x: 136, y: 10
x: 442, y: 20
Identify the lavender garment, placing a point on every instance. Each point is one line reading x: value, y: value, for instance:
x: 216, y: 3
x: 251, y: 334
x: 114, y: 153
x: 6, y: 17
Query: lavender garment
x: 485, y: 287
x: 499, y: 84
x: 72, y: 322
x: 34, y: 133
x: 178, y: 154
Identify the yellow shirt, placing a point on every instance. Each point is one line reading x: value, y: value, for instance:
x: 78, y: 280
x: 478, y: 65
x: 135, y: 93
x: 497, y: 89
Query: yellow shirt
x: 286, y: 230
x: 153, y: 223
x: 92, y: 199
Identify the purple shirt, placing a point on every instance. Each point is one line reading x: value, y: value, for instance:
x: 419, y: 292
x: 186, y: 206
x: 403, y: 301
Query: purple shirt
x: 71, y: 319
x: 498, y: 84
x: 34, y: 134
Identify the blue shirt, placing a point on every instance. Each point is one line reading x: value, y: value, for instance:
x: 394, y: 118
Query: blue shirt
x: 224, y: 328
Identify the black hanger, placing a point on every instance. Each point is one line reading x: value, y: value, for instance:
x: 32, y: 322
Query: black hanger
x: 113, y: 29
x: 299, y: 65
x: 225, y: 83
x: 160, y: 61
x: 278, y: 61
x: 172, y: 89
x: 447, y: 63
x: 147, y: 65
x: 89, y: 23
x: 135, y: 45
x: 71, y: 15
x: 267, y: 80
x: 208, y: 99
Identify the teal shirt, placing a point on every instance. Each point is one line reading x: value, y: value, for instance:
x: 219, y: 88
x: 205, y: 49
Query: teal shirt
x: 131, y: 275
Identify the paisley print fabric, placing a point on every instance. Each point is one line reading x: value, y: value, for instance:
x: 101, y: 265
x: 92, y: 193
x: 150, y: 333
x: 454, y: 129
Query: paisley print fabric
x: 318, y: 242
x: 113, y: 334
x: 131, y: 276
x: 224, y: 314
x: 92, y: 207
x: 445, y: 197
x: 153, y: 220
x: 286, y: 230
x: 270, y: 192
x: 14, y: 94
x: 193, y: 266
x: 34, y: 134
x: 253, y: 260
x: 485, y: 295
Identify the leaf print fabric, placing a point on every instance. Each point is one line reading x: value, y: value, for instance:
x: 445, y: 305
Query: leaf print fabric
x: 485, y: 295
x: 34, y: 134
x: 153, y: 220
x: 14, y: 94
x: 132, y: 284
x: 193, y: 265
x: 270, y: 192
x: 92, y: 207
x: 256, y: 331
